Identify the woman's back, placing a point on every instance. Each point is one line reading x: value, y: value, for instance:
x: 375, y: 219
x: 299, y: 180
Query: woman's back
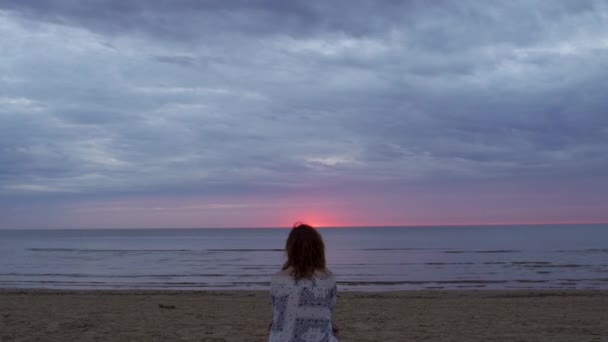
x: 302, y: 308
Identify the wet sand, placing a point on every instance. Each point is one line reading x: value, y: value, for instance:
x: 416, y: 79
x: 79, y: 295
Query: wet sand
x: 469, y: 315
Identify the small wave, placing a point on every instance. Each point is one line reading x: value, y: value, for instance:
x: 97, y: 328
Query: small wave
x: 422, y: 282
x: 246, y: 250
x: 81, y: 250
x: 167, y: 285
x: 448, y: 263
x: 471, y: 281
x: 402, y: 249
x: 530, y: 281
x: 384, y: 282
x: 80, y: 275
x: 590, y: 250
x: 470, y: 286
x: 584, y: 279
x: 486, y: 251
x: 550, y: 265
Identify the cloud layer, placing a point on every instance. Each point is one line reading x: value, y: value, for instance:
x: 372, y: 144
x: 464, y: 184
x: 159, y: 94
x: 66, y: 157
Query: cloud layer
x: 233, y: 99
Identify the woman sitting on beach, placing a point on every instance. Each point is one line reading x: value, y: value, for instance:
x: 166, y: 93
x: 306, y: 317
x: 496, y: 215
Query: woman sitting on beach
x: 303, y: 293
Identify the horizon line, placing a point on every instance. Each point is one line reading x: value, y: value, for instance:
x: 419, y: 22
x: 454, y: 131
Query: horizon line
x: 327, y: 227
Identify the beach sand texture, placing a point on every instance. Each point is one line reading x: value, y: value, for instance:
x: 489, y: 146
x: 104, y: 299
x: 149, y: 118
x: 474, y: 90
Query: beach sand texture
x: 53, y: 315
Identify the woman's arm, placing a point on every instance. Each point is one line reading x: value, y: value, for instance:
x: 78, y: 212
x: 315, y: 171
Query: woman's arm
x: 332, y: 305
x: 333, y: 298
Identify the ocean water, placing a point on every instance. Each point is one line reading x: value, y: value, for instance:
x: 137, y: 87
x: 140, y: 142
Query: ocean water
x: 371, y: 258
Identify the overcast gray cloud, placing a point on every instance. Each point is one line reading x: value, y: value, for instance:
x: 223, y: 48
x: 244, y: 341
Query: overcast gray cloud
x: 108, y: 97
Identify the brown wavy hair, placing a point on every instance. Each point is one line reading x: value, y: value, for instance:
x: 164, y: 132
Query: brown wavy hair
x: 305, y: 251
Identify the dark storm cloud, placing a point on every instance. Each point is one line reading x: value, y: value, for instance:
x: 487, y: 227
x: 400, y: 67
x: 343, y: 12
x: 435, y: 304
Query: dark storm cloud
x: 196, y: 20
x: 443, y: 25
x: 211, y: 97
x: 186, y: 61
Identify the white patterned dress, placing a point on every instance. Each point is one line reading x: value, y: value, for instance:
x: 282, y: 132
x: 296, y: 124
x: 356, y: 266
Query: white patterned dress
x: 301, y: 310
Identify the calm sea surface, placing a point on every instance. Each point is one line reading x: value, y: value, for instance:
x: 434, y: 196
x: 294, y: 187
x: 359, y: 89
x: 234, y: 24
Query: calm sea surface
x: 374, y: 258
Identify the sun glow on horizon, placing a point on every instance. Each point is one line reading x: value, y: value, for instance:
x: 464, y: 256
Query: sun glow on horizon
x: 316, y: 220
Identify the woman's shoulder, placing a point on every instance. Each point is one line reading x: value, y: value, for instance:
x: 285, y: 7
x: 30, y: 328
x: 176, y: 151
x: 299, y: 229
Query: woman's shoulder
x: 285, y: 277
x: 282, y: 277
x: 318, y: 273
x: 283, y: 273
x: 324, y: 274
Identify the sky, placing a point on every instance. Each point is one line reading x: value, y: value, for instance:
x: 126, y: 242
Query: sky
x: 150, y: 114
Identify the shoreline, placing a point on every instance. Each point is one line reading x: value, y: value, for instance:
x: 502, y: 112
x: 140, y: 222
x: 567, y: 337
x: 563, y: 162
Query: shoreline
x: 466, y: 291
x: 346, y: 286
x: 243, y: 315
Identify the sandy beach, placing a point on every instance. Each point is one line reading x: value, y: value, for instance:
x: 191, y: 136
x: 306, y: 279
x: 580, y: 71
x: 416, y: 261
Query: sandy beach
x: 53, y: 315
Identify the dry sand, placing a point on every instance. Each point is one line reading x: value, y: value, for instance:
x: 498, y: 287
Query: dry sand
x: 49, y: 315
